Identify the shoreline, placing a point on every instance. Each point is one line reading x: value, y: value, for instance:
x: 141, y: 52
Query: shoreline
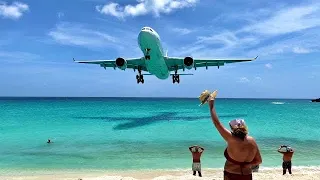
x: 299, y: 172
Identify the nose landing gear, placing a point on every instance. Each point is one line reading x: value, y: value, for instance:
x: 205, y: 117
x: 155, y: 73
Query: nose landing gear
x: 147, y: 56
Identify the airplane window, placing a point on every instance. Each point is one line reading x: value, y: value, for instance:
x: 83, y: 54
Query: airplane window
x: 151, y: 30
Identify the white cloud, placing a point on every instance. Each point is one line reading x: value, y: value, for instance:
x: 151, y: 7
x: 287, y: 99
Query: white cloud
x: 17, y: 56
x: 60, y: 14
x: 13, y: 11
x: 247, y: 80
x: 227, y: 39
x: 243, y: 80
x: 182, y: 31
x: 268, y: 65
x: 77, y: 34
x: 300, y: 50
x: 288, y: 20
x: 313, y: 75
x: 307, y: 42
x: 257, y: 38
x: 144, y: 7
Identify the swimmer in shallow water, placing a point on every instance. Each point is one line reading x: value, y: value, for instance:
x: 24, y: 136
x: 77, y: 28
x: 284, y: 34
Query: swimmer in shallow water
x: 49, y: 141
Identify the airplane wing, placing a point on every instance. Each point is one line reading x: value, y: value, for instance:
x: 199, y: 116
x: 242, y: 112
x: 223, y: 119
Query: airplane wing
x: 176, y: 63
x: 131, y: 63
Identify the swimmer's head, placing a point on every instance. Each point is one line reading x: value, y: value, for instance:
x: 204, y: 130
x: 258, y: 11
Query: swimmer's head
x: 196, y: 148
x: 239, y: 128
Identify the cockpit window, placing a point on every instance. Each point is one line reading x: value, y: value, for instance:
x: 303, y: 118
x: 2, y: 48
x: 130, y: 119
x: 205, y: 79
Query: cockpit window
x: 148, y: 29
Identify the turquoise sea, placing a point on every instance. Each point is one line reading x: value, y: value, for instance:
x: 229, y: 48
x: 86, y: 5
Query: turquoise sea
x: 147, y: 133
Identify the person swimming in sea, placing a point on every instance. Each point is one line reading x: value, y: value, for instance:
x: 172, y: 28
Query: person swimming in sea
x: 287, y: 152
x: 196, y: 155
x: 242, y: 152
x: 49, y: 141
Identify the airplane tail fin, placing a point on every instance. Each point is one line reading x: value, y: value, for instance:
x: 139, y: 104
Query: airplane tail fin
x: 166, y: 53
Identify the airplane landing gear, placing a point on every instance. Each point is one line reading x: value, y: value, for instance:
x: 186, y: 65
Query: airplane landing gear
x: 175, y: 78
x: 139, y: 77
x: 147, y: 56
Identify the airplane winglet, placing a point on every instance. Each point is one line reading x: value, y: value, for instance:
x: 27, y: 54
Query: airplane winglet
x: 73, y: 59
x: 255, y: 57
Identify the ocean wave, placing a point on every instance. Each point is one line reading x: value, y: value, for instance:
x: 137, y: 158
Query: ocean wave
x: 276, y: 102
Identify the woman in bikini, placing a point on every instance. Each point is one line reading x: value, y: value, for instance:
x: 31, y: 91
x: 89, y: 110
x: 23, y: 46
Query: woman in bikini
x: 242, y: 151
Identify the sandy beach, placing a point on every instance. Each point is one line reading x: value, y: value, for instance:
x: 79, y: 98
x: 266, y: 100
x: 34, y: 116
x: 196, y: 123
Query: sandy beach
x: 299, y: 173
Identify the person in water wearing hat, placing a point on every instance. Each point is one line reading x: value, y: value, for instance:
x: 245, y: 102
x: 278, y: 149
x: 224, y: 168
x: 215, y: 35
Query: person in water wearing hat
x: 287, y: 152
x: 196, y: 154
x: 242, y: 151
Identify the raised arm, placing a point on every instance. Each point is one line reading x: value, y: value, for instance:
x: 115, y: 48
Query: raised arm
x: 280, y: 152
x: 224, y: 132
x: 190, y: 148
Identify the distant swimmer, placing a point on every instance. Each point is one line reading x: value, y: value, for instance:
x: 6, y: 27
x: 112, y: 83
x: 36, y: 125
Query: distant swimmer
x: 242, y: 152
x: 196, y: 155
x: 49, y: 141
x: 287, y: 152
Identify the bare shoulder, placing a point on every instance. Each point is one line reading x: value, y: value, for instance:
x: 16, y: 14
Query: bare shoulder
x: 251, y: 140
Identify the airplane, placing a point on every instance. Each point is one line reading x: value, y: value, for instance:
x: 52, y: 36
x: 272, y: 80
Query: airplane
x: 156, y: 62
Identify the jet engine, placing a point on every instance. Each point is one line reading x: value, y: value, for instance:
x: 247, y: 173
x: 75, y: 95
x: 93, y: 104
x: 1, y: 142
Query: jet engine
x: 188, y: 62
x: 121, y: 63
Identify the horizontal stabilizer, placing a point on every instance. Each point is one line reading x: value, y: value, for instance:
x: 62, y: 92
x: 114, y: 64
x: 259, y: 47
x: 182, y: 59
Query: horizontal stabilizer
x: 181, y: 74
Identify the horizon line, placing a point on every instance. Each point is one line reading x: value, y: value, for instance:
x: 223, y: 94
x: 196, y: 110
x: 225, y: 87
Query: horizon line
x: 164, y: 97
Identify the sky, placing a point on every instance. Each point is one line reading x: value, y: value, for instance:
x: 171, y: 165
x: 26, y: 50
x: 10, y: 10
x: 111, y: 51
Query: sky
x: 39, y: 40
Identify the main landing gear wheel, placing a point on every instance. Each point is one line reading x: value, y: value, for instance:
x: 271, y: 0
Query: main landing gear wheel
x: 139, y: 78
x: 175, y: 78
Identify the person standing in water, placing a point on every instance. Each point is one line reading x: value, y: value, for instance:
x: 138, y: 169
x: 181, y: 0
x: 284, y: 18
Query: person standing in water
x: 242, y: 151
x: 287, y: 152
x: 196, y: 155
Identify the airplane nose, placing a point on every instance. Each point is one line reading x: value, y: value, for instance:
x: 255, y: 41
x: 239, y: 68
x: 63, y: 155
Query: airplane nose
x: 145, y: 35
